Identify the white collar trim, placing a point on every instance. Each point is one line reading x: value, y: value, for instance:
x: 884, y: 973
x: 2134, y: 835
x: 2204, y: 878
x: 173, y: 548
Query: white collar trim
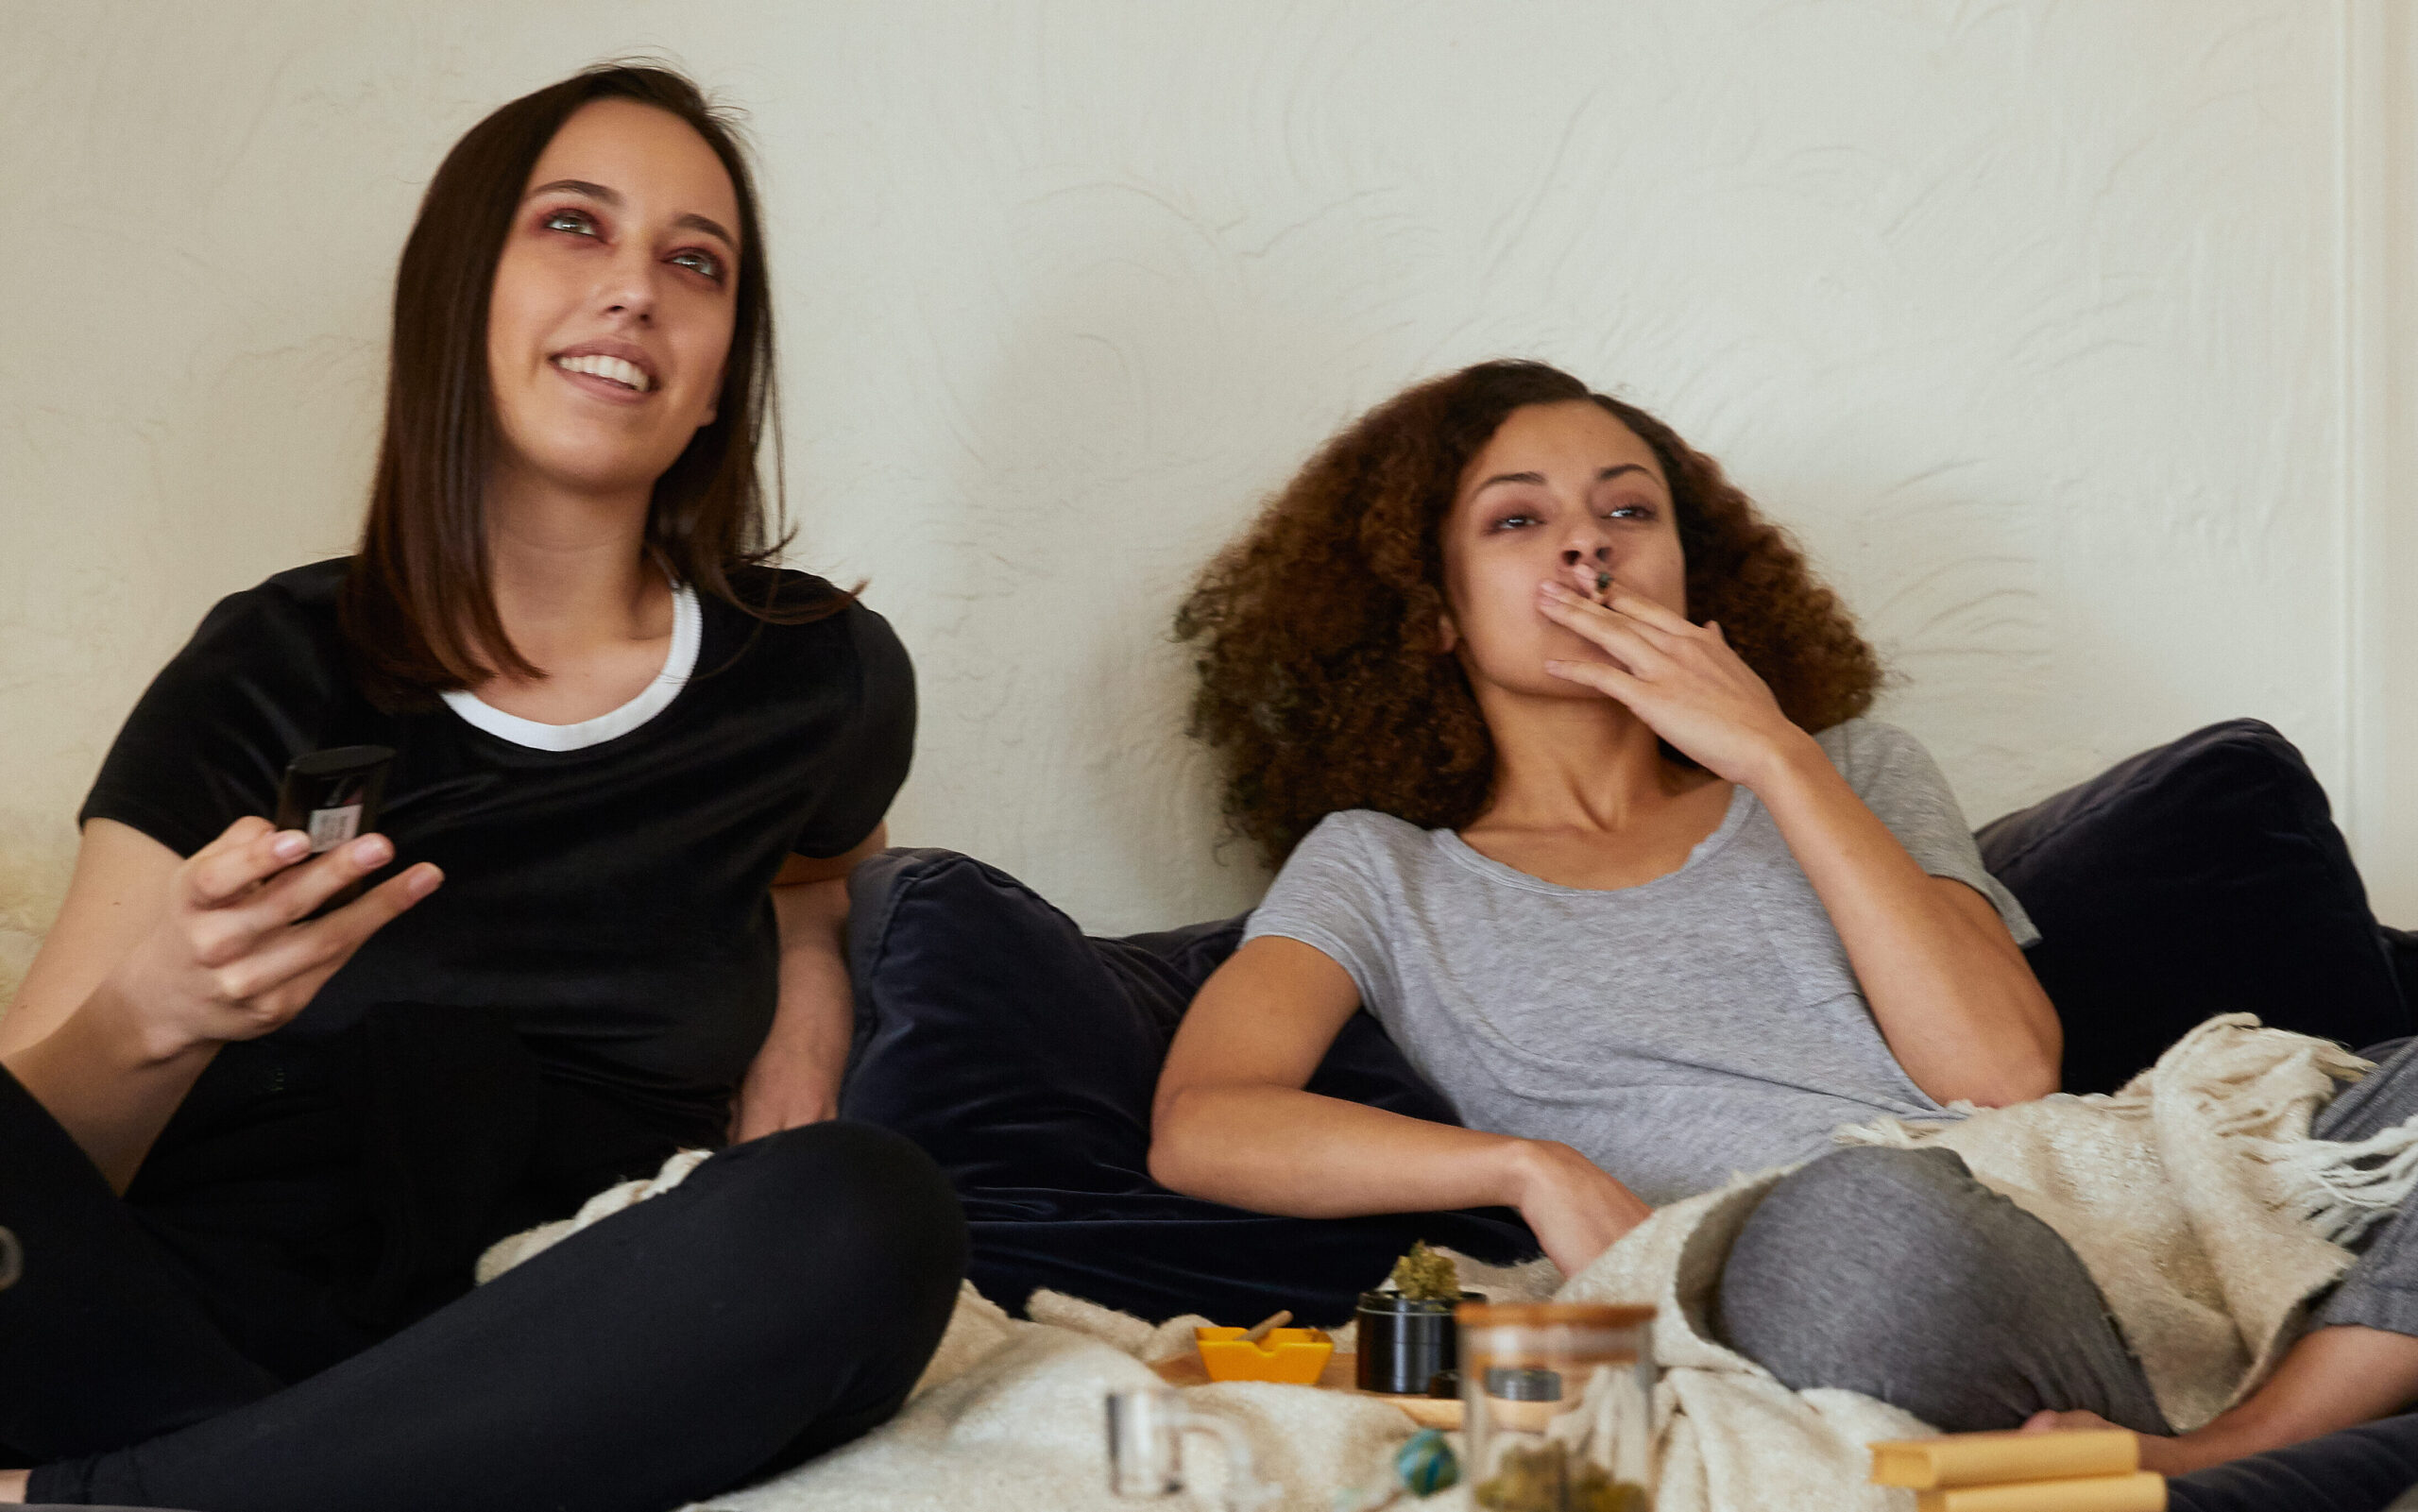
x: 688, y: 631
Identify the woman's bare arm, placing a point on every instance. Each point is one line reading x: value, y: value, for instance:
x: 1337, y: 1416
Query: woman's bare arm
x: 1951, y: 991
x: 1947, y: 985
x: 795, y: 1075
x: 119, y: 888
x: 1233, y: 1124
x: 155, y: 962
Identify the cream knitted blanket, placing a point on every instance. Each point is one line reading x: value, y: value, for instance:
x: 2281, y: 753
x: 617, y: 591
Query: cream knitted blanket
x: 2192, y: 1195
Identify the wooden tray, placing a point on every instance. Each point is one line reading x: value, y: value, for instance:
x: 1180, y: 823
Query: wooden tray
x: 1341, y: 1374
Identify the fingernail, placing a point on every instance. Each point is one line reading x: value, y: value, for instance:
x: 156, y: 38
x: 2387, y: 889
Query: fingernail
x: 373, y: 850
x: 292, y: 846
x: 423, y: 881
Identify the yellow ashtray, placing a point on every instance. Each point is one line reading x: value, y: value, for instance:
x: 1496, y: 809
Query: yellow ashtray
x: 1293, y: 1356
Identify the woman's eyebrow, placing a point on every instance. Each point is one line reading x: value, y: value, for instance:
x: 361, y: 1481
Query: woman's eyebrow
x: 578, y: 186
x: 1538, y: 478
x: 613, y: 197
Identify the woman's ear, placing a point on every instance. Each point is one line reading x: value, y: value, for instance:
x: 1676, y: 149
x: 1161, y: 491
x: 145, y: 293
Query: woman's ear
x: 1448, y: 635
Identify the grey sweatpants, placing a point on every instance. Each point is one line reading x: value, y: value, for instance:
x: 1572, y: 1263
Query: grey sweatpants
x: 1894, y: 1273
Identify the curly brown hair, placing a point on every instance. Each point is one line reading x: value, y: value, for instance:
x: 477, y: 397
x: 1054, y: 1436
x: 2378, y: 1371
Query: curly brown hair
x: 1322, y: 684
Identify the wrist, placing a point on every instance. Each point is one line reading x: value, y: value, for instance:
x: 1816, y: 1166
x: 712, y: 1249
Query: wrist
x: 112, y: 1026
x: 1528, y: 1168
x: 1792, y: 762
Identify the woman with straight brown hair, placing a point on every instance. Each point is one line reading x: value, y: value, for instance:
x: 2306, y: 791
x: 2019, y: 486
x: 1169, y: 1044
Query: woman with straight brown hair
x: 255, y: 1129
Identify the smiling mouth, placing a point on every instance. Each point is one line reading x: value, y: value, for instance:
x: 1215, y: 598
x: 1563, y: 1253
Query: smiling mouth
x: 612, y: 369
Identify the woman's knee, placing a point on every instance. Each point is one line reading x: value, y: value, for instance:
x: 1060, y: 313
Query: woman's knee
x: 1843, y: 1227
x: 1896, y: 1274
x: 825, y: 1210
x: 1858, y: 1270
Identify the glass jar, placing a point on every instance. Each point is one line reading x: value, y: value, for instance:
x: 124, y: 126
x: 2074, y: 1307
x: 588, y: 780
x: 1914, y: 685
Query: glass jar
x: 1559, y: 1406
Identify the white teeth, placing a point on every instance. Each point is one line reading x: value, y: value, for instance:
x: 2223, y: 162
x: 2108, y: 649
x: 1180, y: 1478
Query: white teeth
x: 629, y: 375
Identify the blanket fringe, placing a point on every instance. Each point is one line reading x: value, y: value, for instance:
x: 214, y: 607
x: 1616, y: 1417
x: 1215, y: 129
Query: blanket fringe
x: 2341, y: 1191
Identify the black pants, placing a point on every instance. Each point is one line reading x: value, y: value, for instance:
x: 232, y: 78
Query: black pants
x: 780, y: 1302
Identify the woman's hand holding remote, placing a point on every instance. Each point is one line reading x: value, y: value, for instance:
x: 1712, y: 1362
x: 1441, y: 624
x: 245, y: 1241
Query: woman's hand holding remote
x: 231, y: 952
x: 236, y: 953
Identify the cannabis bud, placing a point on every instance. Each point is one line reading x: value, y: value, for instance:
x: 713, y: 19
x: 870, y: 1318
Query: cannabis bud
x: 1426, y: 1275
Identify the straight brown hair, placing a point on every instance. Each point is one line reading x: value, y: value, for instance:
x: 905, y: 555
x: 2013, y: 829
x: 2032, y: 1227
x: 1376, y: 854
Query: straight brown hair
x: 417, y: 608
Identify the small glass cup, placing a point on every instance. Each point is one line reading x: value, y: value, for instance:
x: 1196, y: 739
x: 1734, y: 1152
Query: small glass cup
x: 1559, y: 1406
x: 1146, y: 1429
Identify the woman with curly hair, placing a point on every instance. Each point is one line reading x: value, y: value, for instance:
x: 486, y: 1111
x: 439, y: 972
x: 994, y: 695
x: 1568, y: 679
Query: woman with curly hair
x: 1561, y: 752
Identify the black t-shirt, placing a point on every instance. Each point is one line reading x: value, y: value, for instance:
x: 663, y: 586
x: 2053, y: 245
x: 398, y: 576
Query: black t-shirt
x: 610, y: 902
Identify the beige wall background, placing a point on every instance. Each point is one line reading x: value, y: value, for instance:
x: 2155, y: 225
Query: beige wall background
x: 2075, y: 341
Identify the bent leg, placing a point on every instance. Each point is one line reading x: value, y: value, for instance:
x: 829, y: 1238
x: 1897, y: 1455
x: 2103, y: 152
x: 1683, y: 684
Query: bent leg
x: 782, y: 1298
x: 2359, y: 1359
x: 2381, y: 1290
x: 1895, y: 1273
x: 102, y: 1342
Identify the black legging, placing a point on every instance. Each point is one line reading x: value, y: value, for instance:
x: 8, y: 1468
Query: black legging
x: 779, y: 1302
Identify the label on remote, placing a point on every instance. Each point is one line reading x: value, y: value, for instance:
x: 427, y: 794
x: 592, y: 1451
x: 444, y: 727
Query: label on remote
x: 331, y: 827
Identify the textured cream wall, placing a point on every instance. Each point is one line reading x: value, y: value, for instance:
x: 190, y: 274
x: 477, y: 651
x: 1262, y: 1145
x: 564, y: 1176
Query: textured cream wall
x: 2052, y: 329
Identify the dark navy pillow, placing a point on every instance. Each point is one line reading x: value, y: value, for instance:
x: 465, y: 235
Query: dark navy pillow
x: 1022, y: 1056
x: 2204, y: 877
x: 1016, y: 1048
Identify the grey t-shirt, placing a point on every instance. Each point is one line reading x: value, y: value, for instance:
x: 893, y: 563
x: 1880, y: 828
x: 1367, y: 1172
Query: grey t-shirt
x: 1699, y: 1024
